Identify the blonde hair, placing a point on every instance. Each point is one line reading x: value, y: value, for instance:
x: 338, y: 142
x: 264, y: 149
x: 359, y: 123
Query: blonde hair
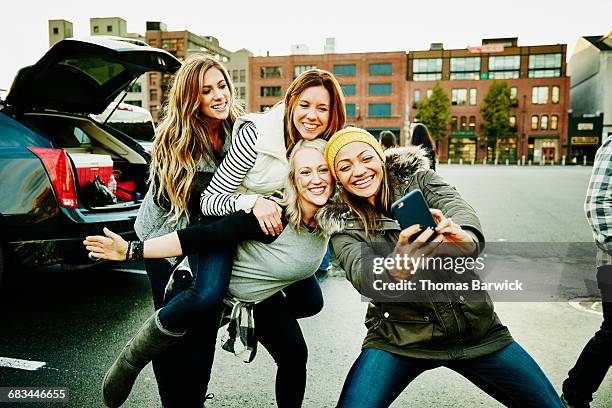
x: 337, y: 112
x: 182, y: 139
x: 291, y: 202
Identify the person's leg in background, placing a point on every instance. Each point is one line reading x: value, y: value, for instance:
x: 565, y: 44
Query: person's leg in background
x: 594, y: 361
x: 510, y: 376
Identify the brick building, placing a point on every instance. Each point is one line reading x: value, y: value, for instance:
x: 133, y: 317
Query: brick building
x: 540, y: 90
x: 181, y: 44
x: 373, y: 83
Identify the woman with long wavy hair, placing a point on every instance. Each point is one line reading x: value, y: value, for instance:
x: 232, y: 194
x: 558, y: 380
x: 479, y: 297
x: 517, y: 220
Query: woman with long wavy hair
x: 189, y: 145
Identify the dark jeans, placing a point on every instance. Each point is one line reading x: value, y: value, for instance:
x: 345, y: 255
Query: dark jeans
x: 278, y: 331
x: 183, y: 371
x: 510, y: 376
x: 593, y: 363
x: 211, y: 274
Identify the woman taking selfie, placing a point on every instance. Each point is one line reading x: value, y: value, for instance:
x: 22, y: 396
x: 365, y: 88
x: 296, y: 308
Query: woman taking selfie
x: 444, y: 329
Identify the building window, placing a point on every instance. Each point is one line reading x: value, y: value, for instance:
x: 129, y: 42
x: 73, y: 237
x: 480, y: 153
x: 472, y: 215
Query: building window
x: 270, y: 91
x: 545, y: 65
x: 55, y: 30
x: 348, y: 89
x: 417, y: 98
x: 534, y: 122
x: 463, y: 123
x: 539, y: 95
x: 473, y: 96
x: 135, y: 87
x: 172, y: 44
x: 109, y: 28
x: 459, y: 96
x: 427, y: 69
x: 554, y: 122
x: 263, y: 108
x: 350, y: 110
x: 512, y: 122
x: 96, y: 29
x: 152, y: 94
x: 513, y: 96
x: 345, y: 69
x: 465, y: 68
x: 472, y: 123
x: 270, y: 72
x: 380, y: 69
x: 429, y: 92
x: 554, y: 97
x: 135, y: 103
x: 379, y: 89
x: 235, y: 75
x: 153, y: 42
x: 504, y: 67
x: 379, y: 110
x: 242, y: 75
x: 544, y: 122
x: 298, y: 69
x: 454, y: 123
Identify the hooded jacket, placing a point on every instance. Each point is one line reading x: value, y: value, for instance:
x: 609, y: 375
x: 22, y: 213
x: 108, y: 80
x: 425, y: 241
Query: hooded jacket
x: 444, y: 325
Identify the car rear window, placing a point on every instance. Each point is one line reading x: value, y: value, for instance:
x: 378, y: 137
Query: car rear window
x: 98, y: 69
x: 14, y: 134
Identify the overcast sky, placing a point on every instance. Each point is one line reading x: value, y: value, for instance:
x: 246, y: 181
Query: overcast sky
x: 357, y: 25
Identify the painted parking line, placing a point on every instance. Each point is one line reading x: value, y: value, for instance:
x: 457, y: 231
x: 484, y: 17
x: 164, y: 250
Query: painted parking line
x: 592, y: 308
x: 129, y: 270
x: 19, y: 364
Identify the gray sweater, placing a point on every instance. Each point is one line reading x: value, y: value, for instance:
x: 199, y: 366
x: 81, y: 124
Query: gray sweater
x: 260, y: 270
x: 154, y: 221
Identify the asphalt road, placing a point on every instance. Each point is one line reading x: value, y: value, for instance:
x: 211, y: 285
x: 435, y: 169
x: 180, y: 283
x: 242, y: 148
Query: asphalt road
x: 75, y: 322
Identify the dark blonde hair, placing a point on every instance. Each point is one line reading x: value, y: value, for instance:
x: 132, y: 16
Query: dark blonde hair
x: 337, y: 112
x: 293, y: 210
x: 182, y: 139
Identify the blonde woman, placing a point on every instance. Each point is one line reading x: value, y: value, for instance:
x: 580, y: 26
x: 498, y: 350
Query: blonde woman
x: 260, y: 270
x: 187, y: 149
x: 254, y: 168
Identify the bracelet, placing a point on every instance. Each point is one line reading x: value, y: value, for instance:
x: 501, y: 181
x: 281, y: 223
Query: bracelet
x: 137, y: 251
x: 128, y: 251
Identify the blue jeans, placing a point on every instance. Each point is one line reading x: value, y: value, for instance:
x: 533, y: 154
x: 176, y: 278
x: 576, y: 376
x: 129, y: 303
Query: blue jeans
x: 510, y: 376
x: 205, y: 295
x: 183, y: 371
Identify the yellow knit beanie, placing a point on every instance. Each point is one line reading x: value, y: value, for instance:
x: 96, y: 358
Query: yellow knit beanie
x: 345, y: 136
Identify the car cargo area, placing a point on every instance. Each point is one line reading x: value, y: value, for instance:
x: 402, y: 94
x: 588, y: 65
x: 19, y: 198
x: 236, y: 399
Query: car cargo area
x: 96, y: 154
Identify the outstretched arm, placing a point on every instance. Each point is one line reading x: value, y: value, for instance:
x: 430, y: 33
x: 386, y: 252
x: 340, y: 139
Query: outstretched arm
x: 225, y: 232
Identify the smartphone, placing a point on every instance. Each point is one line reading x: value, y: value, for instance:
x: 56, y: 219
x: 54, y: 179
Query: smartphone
x: 413, y: 209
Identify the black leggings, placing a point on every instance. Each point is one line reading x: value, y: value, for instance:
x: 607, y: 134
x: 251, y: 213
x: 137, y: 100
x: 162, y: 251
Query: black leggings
x: 278, y: 331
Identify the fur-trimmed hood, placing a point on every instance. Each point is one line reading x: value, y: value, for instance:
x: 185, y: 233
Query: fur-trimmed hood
x: 401, y: 163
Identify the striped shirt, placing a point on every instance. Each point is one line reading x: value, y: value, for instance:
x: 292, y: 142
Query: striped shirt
x: 220, y: 197
x: 598, y: 203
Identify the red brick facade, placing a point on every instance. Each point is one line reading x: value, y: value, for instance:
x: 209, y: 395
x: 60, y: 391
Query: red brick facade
x: 359, y: 103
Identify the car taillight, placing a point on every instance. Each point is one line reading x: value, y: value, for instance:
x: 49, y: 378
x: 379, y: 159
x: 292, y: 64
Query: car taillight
x: 60, y: 172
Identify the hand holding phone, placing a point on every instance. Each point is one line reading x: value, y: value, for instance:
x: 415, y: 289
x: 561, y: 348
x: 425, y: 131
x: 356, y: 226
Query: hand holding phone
x: 412, y: 209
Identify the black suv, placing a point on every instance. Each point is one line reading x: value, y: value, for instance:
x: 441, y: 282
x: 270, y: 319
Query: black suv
x: 46, y: 122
